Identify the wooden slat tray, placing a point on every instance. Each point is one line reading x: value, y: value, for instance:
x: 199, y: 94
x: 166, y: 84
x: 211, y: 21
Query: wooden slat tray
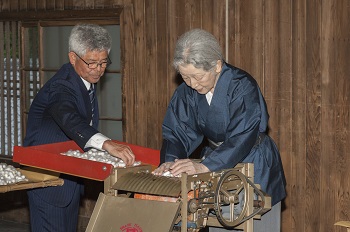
x: 36, y: 179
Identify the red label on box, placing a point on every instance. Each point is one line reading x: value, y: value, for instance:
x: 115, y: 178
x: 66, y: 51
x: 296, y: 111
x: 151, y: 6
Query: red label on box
x: 131, y: 228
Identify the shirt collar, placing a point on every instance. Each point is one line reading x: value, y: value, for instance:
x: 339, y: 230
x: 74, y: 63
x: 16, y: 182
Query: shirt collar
x: 86, y: 83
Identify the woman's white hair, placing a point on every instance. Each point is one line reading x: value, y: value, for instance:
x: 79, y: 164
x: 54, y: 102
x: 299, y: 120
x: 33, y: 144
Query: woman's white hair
x: 199, y: 48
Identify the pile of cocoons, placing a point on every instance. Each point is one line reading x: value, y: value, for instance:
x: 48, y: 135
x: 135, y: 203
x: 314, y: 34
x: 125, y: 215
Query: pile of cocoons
x: 10, y: 175
x: 99, y: 156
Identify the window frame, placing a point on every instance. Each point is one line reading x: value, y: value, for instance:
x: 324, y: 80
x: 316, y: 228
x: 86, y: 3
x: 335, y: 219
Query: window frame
x: 42, y: 69
x: 110, y: 16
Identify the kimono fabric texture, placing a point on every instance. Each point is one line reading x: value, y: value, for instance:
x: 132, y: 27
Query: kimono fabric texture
x: 235, y: 122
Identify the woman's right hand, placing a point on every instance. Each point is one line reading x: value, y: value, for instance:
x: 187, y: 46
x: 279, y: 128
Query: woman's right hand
x: 164, y: 167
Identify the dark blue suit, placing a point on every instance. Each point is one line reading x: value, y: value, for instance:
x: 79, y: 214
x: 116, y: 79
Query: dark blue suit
x: 236, y: 116
x: 61, y: 111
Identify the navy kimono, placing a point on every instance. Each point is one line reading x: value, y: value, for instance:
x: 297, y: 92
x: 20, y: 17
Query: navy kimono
x: 61, y: 111
x: 237, y: 119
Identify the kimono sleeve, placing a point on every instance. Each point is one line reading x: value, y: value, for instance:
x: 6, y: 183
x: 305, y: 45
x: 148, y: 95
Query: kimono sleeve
x: 181, y: 134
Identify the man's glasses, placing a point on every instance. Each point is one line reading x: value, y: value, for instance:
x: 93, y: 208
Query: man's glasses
x: 94, y: 65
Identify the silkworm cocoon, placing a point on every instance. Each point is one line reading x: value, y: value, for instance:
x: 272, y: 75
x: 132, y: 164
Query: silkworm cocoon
x: 9, y: 175
x: 100, y: 156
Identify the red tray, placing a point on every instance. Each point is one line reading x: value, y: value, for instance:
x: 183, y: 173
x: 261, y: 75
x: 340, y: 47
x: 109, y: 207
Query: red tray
x: 49, y: 157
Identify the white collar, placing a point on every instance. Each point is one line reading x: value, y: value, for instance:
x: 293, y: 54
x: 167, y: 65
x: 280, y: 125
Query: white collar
x: 209, y: 96
x: 86, y: 83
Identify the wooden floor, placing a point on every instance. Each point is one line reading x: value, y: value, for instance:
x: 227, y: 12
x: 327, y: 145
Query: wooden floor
x: 7, y: 226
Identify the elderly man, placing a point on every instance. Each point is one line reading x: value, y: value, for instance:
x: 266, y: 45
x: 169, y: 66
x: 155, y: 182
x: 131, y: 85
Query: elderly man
x: 65, y: 109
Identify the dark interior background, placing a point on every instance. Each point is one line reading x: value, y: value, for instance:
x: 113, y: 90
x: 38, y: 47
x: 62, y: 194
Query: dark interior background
x: 297, y: 50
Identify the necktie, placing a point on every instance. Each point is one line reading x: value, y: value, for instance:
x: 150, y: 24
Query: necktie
x: 92, y: 98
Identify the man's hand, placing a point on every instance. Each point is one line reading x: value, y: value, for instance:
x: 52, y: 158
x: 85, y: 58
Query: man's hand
x: 120, y: 151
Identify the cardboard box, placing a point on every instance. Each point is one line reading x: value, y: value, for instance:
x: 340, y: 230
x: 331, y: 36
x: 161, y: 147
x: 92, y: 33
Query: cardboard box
x: 115, y: 214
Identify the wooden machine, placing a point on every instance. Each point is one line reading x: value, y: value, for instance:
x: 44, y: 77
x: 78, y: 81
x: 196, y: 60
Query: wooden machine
x: 135, y: 200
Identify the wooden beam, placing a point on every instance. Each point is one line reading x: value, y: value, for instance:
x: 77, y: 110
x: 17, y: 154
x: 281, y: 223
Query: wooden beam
x: 60, y: 14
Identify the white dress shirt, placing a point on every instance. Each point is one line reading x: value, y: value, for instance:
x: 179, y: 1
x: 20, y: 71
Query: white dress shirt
x: 97, y: 140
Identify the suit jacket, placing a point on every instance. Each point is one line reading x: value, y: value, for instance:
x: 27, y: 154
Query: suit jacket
x: 236, y: 116
x: 61, y: 111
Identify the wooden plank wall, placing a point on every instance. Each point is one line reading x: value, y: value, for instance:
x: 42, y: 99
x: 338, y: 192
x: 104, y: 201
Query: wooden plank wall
x: 299, y: 53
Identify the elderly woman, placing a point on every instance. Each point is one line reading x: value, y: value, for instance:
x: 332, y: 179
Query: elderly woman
x: 223, y: 104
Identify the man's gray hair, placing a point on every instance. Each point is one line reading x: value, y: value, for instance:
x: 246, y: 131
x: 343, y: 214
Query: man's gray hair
x: 199, y: 48
x: 89, y: 37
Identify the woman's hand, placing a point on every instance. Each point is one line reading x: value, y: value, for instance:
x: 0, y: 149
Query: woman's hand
x: 120, y: 151
x: 188, y: 166
x: 179, y: 166
x: 164, y: 167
